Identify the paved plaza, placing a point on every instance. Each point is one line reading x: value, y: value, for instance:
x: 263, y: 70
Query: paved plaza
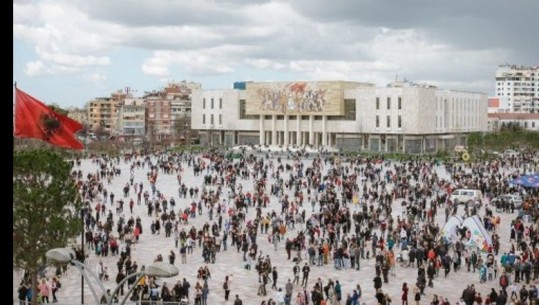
x: 245, y: 282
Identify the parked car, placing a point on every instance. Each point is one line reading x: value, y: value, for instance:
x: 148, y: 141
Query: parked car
x: 510, y: 153
x: 509, y: 198
x: 466, y: 196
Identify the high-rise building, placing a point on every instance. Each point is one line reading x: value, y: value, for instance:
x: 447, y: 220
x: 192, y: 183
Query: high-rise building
x: 517, y: 87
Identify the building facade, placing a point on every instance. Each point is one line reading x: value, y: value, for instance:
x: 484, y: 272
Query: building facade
x: 78, y: 114
x: 103, y: 112
x: 158, y: 118
x: 402, y: 117
x: 520, y: 86
x: 132, y: 118
x: 528, y: 121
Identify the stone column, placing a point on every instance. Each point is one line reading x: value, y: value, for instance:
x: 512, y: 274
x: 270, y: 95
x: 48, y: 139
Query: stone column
x: 324, y: 133
x: 286, y: 142
x: 273, y: 131
x: 261, y: 131
x: 298, y: 131
x: 311, y: 131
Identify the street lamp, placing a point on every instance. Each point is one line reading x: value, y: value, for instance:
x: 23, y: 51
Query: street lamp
x: 156, y: 269
x: 64, y: 256
x: 83, y: 212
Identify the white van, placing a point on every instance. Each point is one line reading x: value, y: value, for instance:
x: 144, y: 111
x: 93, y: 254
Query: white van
x: 466, y: 196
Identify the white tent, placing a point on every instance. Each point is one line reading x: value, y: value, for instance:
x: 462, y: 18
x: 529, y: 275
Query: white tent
x: 479, y: 237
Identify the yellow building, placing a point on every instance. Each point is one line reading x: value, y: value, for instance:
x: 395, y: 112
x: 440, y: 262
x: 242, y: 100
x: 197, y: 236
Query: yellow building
x: 103, y: 112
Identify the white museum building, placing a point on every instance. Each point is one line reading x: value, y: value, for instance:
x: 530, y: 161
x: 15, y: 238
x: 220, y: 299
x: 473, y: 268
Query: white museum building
x: 351, y: 116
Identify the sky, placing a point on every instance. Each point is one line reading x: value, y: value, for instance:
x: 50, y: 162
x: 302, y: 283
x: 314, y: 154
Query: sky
x: 70, y: 51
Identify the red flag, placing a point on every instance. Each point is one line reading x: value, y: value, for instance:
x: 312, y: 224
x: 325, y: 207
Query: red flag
x: 33, y: 119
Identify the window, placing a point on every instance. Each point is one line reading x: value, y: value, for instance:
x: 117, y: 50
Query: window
x: 220, y: 119
x: 203, y: 119
x: 388, y: 103
x: 350, y: 109
x: 204, y: 103
x: 388, y: 122
x: 400, y: 103
x: 211, y: 119
x: 377, y: 103
x: 400, y: 122
x: 212, y: 103
x: 220, y: 103
x: 377, y: 121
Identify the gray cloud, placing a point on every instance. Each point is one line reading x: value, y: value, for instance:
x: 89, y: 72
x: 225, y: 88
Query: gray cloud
x: 469, y: 24
x: 162, y: 12
x: 450, y: 43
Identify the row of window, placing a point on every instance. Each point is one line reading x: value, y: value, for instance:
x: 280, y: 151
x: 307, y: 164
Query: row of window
x: 211, y: 119
x: 211, y: 103
x: 388, y: 121
x: 388, y: 103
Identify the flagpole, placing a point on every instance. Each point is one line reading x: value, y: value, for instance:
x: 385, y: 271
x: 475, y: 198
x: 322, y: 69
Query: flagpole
x: 14, y: 119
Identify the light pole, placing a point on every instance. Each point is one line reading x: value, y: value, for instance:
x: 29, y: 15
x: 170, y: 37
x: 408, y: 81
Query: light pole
x: 156, y: 269
x: 82, y: 245
x: 64, y: 256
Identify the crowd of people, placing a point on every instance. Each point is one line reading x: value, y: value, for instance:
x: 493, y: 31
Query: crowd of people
x: 334, y: 213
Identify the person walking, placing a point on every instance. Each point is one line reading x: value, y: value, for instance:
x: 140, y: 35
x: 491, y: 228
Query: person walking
x: 238, y: 301
x: 289, y: 290
x: 171, y: 257
x: 43, y: 289
x: 22, y: 293
x: 55, y: 285
x: 119, y: 278
x: 306, y: 269
x: 404, y: 297
x: 274, y: 277
x: 226, y: 287
x: 296, y: 271
x: 417, y: 295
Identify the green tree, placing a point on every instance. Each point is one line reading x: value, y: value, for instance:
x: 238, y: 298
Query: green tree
x: 475, y: 141
x: 46, y: 208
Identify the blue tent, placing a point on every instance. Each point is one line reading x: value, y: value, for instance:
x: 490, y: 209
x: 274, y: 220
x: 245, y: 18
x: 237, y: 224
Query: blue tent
x: 527, y: 181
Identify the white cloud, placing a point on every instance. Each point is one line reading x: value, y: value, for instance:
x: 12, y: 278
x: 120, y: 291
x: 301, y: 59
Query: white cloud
x: 264, y: 64
x: 219, y: 38
x: 64, y: 39
x: 211, y: 61
x: 95, y: 77
x: 37, y: 68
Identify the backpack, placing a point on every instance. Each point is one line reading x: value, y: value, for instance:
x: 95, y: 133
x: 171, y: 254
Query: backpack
x: 503, y: 280
x: 58, y: 284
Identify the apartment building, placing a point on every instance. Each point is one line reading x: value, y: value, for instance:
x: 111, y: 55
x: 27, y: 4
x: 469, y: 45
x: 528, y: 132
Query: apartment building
x: 132, y: 118
x: 78, y: 114
x: 519, y: 85
x: 158, y: 118
x: 103, y: 112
